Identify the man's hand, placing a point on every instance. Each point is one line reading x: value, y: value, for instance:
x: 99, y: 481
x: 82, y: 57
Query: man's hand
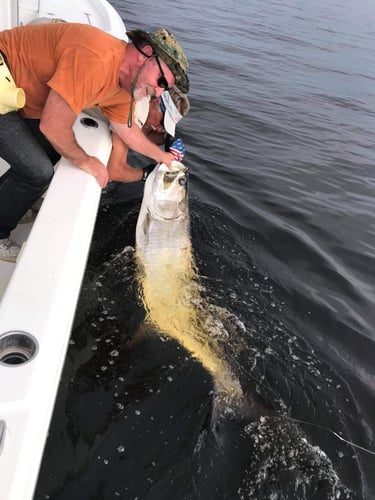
x: 95, y: 167
x: 60, y: 134
x: 167, y: 159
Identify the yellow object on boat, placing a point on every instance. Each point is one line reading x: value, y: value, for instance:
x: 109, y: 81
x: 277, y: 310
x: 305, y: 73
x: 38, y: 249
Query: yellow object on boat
x: 12, y: 97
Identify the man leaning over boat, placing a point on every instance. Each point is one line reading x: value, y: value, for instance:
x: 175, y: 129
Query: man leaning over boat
x: 64, y: 68
x: 158, y: 118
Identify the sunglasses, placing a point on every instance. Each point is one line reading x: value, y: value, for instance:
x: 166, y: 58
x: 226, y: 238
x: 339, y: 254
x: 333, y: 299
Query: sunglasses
x: 162, y: 81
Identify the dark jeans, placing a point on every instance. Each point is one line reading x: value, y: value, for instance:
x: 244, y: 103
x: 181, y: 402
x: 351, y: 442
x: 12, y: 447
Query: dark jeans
x: 31, y: 158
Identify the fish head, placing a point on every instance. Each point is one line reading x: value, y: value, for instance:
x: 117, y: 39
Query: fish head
x: 167, y: 191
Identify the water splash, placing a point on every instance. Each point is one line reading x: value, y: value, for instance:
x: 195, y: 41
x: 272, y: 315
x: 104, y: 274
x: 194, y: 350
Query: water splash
x: 286, y: 466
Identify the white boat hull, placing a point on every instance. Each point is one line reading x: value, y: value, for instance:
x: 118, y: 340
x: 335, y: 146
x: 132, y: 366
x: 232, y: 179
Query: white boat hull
x: 38, y: 294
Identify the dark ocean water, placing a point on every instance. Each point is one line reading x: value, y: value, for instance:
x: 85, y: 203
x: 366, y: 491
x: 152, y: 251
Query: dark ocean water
x: 280, y: 142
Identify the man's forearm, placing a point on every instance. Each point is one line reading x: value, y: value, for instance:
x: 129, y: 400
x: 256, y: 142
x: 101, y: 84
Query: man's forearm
x: 64, y: 142
x: 135, y: 139
x: 59, y: 131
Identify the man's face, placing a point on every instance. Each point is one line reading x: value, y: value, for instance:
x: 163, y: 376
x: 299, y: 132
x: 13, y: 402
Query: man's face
x: 155, y: 116
x: 150, y: 79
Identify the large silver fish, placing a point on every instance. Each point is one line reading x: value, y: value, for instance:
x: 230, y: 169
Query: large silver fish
x: 168, y: 278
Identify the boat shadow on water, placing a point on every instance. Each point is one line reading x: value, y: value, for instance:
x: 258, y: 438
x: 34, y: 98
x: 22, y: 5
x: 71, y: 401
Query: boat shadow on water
x: 138, y: 416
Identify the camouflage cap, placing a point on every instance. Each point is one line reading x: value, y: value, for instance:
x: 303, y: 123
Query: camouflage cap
x: 169, y: 50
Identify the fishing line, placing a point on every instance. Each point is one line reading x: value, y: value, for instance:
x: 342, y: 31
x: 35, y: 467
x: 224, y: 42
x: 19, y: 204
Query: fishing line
x: 328, y: 430
x: 285, y: 417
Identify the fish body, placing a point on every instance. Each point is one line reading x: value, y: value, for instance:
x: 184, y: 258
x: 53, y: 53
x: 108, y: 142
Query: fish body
x: 168, y: 277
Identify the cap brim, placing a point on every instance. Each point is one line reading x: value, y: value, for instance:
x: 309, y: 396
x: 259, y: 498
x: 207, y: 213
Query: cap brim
x: 171, y: 116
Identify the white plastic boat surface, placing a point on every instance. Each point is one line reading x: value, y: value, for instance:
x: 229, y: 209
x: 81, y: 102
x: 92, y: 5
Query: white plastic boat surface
x: 95, y: 12
x: 38, y: 294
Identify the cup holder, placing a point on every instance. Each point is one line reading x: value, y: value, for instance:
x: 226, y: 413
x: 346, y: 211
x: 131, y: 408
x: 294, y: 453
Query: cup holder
x: 17, y: 348
x: 89, y: 122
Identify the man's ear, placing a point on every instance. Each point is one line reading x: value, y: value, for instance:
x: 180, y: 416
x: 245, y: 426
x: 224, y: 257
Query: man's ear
x: 148, y: 50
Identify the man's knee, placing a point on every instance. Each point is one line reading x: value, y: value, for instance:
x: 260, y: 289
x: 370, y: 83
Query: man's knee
x: 36, y: 175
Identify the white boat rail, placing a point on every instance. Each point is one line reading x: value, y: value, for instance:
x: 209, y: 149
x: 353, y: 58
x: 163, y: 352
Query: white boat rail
x: 38, y: 294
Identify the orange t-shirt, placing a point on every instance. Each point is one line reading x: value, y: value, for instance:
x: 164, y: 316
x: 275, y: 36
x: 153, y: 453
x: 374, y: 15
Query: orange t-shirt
x: 80, y: 62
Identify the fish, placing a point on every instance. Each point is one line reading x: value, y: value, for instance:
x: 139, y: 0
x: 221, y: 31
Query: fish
x: 168, y: 277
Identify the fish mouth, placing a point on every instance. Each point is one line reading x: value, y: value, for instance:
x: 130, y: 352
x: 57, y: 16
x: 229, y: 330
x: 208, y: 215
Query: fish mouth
x: 177, y: 167
x: 168, y: 210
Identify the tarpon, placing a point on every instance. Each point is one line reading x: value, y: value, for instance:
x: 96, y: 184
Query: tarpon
x: 168, y: 277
